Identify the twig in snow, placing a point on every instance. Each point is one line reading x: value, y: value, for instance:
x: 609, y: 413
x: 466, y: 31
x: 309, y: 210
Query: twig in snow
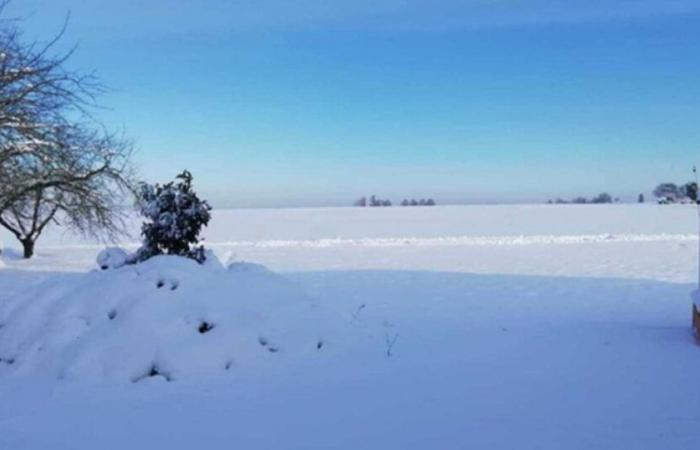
x: 390, y: 341
x: 357, y: 312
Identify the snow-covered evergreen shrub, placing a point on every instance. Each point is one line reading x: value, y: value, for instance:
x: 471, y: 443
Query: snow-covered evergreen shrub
x: 175, y: 216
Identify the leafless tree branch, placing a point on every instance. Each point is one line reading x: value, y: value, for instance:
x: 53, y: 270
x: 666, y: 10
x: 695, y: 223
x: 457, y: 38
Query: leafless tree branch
x: 55, y: 158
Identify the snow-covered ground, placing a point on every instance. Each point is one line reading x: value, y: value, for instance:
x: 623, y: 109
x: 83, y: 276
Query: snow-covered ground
x: 548, y: 327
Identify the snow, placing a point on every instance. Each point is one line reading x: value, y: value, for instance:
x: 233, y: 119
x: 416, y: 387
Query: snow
x: 112, y: 258
x: 184, y: 319
x: 549, y: 327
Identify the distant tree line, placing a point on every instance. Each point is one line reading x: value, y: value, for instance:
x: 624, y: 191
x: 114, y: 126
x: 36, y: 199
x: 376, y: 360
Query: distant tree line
x: 374, y: 201
x: 603, y: 197
x: 421, y: 202
x: 666, y: 193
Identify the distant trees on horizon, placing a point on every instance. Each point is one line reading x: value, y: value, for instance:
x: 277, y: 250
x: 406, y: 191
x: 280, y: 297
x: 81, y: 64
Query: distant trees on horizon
x: 601, y: 198
x: 665, y: 193
x: 672, y: 193
x: 374, y: 202
x: 421, y: 202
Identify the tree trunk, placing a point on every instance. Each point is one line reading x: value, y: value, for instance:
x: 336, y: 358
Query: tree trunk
x: 28, y: 245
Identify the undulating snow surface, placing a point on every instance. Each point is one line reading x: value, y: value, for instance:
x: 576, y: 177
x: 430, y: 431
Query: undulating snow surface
x: 530, y: 327
x: 168, y: 317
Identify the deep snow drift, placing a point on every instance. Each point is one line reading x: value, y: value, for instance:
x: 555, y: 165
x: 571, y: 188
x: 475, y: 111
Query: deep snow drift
x: 167, y: 317
x: 529, y: 327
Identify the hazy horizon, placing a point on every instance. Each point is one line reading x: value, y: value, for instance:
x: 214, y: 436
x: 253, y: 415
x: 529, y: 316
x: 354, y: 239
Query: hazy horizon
x: 319, y: 103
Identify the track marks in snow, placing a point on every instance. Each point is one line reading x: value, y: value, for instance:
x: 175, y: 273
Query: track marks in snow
x: 460, y: 241
x: 503, y: 240
x: 265, y: 343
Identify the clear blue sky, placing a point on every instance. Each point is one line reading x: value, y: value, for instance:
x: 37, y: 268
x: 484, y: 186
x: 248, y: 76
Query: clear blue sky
x: 311, y: 102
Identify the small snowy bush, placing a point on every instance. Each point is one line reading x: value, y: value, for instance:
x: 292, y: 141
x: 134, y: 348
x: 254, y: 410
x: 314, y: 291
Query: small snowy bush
x: 175, y: 216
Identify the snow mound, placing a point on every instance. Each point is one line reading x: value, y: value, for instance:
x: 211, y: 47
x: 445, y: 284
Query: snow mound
x: 112, y: 258
x: 11, y: 254
x: 247, y: 267
x: 168, y: 318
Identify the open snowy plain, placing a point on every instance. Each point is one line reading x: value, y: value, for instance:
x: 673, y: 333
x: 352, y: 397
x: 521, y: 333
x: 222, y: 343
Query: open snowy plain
x: 455, y: 327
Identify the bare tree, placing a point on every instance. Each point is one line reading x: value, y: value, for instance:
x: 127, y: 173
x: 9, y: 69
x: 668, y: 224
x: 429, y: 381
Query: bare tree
x: 26, y: 219
x: 81, y: 189
x: 56, y: 161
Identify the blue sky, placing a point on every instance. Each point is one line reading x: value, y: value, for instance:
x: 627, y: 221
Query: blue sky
x: 279, y: 103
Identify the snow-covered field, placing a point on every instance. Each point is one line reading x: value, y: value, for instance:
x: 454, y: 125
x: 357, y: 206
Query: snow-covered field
x: 529, y: 327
